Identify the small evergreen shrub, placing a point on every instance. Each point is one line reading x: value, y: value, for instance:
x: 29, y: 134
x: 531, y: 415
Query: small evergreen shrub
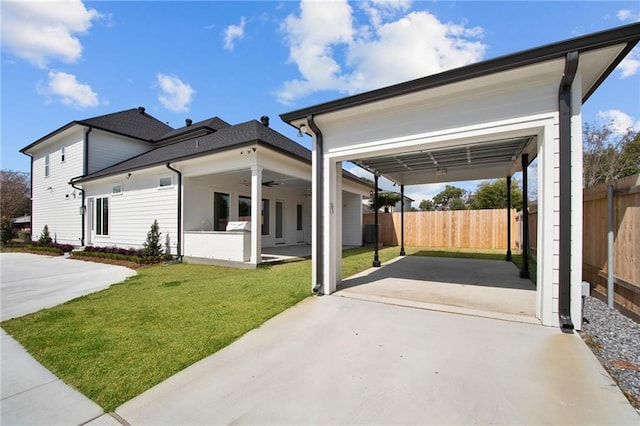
x: 45, y: 237
x: 152, y: 247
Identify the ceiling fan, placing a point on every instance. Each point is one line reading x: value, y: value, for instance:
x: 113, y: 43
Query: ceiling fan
x: 267, y: 183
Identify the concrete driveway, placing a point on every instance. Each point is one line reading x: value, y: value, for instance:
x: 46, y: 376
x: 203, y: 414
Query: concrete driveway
x: 31, y: 394
x: 336, y: 360
x: 29, y: 283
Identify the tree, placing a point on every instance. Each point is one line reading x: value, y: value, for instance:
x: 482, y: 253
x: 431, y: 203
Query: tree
x: 15, y: 194
x: 153, y: 247
x: 427, y: 206
x: 493, y: 195
x: 609, y: 155
x: 451, y: 198
x: 385, y: 199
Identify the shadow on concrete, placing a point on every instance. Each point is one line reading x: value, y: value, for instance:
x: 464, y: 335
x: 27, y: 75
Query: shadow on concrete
x: 476, y: 272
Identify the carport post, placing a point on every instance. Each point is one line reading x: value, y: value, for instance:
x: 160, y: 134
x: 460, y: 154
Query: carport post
x: 402, y: 253
x: 508, y: 259
x: 524, y: 272
x: 376, y: 259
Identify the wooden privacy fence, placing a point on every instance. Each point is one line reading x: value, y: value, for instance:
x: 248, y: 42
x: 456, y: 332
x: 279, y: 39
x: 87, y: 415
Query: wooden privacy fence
x: 473, y: 229
x: 626, y: 243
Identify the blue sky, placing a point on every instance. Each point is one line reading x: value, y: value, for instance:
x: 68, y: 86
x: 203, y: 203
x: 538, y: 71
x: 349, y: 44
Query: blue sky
x: 244, y: 59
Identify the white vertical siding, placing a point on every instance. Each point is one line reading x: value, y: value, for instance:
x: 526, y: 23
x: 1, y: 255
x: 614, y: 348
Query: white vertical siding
x: 58, y: 207
x: 106, y: 149
x: 132, y: 212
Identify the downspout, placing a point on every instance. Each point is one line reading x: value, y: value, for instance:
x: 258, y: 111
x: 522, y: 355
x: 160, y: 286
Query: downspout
x: 71, y: 182
x: 85, y: 169
x: 178, y: 244
x: 565, y: 111
x: 31, y: 195
x: 319, y: 256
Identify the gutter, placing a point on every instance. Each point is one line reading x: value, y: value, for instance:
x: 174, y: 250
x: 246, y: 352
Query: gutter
x: 319, y: 255
x: 72, y: 183
x: 178, y: 245
x: 565, y: 110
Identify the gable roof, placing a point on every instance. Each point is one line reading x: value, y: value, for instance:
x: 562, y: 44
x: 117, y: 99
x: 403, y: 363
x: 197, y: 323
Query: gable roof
x: 225, y: 138
x: 626, y: 35
x: 134, y: 123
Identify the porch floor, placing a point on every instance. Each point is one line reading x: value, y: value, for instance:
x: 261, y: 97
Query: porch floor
x: 486, y: 288
x: 287, y: 253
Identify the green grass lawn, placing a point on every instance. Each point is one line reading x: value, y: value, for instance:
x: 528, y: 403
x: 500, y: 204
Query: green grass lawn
x: 117, y: 343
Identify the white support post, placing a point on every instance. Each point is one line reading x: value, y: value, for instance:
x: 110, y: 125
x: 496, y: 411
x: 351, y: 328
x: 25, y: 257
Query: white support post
x: 337, y: 212
x: 256, y: 213
x: 330, y: 226
x: 576, y: 202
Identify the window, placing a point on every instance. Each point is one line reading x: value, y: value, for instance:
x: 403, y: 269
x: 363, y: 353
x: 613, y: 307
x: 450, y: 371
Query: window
x: 299, y: 217
x: 62, y: 155
x: 46, y: 165
x: 102, y: 216
x: 220, y: 211
x: 265, y: 217
x: 244, y: 208
x: 165, y: 182
x: 116, y: 189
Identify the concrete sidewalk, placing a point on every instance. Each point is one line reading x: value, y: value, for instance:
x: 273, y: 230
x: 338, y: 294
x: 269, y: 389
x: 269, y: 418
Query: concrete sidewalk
x: 31, y: 394
x: 334, y: 360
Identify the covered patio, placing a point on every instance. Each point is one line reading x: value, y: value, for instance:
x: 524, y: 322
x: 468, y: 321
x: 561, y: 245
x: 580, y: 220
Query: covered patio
x: 485, y: 120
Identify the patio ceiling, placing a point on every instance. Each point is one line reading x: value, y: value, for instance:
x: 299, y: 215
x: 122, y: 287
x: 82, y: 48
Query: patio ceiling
x: 484, y: 160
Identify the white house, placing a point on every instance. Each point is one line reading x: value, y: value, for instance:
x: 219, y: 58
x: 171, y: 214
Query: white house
x: 104, y: 180
x: 485, y: 120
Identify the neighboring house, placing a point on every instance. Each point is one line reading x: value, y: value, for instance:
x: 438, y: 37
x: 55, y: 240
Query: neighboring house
x: 103, y: 181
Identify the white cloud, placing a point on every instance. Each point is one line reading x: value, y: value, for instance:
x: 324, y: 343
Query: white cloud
x: 333, y: 53
x: 233, y: 33
x: 620, y: 122
x: 630, y: 65
x: 40, y: 31
x: 175, y: 94
x: 627, y: 15
x: 623, y: 14
x: 70, y: 91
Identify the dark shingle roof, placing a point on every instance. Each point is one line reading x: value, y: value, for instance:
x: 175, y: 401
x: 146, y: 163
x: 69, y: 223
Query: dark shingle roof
x: 225, y: 138
x: 200, y: 128
x: 134, y: 123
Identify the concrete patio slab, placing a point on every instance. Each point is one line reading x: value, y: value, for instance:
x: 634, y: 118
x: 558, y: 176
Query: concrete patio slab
x: 488, y: 288
x: 333, y: 360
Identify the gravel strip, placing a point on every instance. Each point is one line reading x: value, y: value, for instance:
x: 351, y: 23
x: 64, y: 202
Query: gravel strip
x: 615, y: 340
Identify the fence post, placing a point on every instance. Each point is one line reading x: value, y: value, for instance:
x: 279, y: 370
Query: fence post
x: 376, y: 259
x: 610, y: 272
x: 508, y: 259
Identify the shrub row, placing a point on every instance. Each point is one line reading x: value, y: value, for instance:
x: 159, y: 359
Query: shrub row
x: 52, y: 247
x: 114, y: 250
x: 112, y: 256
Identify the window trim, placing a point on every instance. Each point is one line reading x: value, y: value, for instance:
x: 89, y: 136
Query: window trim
x: 62, y: 155
x: 265, y: 217
x: 47, y: 163
x: 113, y: 186
x: 161, y: 186
x: 100, y: 213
